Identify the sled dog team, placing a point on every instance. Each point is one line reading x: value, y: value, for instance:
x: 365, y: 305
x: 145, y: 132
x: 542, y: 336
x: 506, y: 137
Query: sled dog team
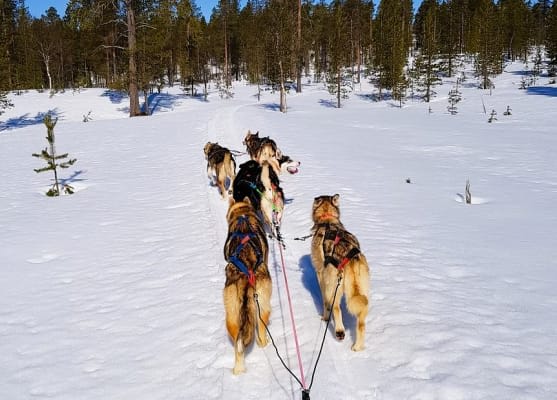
x: 255, y: 209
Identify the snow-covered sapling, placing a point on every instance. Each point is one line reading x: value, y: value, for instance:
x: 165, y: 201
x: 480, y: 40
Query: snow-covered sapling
x: 468, y: 195
x: 454, y: 98
x: 54, y: 161
x: 492, y: 116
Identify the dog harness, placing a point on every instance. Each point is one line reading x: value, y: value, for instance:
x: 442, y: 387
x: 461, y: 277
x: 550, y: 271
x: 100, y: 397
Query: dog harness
x: 245, y: 238
x: 336, y: 235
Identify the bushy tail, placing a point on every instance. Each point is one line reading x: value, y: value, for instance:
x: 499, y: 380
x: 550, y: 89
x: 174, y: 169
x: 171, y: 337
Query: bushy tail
x: 229, y: 165
x: 247, y: 316
x: 358, y: 304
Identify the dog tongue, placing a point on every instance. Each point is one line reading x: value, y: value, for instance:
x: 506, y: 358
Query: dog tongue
x: 292, y: 170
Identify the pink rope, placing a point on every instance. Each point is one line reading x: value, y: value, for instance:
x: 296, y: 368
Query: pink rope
x: 292, y: 319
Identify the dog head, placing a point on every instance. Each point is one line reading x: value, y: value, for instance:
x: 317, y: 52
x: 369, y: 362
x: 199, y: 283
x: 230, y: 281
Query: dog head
x: 238, y: 208
x: 326, y: 209
x: 207, y: 149
x: 267, y: 153
x: 289, y: 165
x: 251, y: 141
x: 272, y: 202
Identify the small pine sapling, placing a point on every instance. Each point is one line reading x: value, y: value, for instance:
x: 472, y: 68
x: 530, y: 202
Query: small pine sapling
x: 492, y: 116
x: 454, y: 98
x: 54, y: 161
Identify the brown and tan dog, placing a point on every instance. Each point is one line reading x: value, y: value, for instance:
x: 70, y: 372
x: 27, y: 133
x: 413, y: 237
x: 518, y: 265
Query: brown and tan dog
x: 335, y: 254
x: 247, y: 274
x: 221, y: 166
x: 263, y: 149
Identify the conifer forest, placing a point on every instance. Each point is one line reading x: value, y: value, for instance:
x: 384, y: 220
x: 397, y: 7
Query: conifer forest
x: 141, y: 46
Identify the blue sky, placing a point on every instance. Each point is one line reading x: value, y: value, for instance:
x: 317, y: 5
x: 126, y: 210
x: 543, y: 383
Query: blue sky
x: 38, y: 7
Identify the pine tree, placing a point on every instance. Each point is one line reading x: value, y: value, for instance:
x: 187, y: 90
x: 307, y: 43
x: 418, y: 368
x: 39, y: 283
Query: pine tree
x: 514, y: 19
x: 427, y: 65
x: 339, y: 51
x: 392, y: 42
x: 454, y: 97
x: 4, y: 101
x: 7, y: 33
x: 54, y: 160
x: 485, y: 42
x: 551, y: 40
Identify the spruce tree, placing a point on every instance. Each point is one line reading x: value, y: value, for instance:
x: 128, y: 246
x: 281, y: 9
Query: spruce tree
x: 392, y: 42
x: 54, y: 160
x: 4, y: 101
x: 551, y: 40
x: 427, y: 65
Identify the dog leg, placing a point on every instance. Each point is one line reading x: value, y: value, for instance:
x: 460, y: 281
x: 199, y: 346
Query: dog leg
x: 210, y: 175
x: 337, y: 315
x: 239, y: 364
x: 264, y: 314
x: 232, y: 315
x: 331, y: 283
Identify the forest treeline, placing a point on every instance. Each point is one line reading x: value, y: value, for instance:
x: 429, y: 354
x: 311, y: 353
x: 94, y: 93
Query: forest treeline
x: 142, y: 45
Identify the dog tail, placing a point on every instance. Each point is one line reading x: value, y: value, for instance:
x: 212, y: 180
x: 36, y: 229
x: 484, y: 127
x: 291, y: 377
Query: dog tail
x: 229, y: 164
x: 248, y: 315
x: 358, y: 304
x: 358, y: 292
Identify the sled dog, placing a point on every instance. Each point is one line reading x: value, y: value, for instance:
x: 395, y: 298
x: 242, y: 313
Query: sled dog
x: 247, y: 274
x: 263, y: 149
x: 335, y: 254
x: 261, y: 185
x: 221, y: 166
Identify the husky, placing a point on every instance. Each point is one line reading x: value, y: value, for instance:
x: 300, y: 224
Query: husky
x: 337, y: 259
x: 261, y: 185
x: 221, y: 166
x: 247, y: 274
x: 263, y: 149
x: 289, y: 165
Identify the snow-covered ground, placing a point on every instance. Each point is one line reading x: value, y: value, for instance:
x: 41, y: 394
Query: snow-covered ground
x: 116, y: 292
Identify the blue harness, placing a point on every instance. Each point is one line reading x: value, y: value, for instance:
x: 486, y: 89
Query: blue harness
x: 245, y: 238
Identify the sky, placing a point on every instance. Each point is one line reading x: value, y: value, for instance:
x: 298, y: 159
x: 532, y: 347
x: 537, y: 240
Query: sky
x: 38, y: 7
x: 115, y: 292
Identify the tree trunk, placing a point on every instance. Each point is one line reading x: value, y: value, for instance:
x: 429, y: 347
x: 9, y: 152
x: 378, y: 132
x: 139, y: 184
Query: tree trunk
x: 338, y: 87
x: 299, y: 50
x: 282, y: 90
x: 133, y: 89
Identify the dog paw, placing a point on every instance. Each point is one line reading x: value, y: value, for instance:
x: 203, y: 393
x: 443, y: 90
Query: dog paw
x: 262, y: 343
x: 340, y: 335
x: 237, y: 370
x: 357, y: 347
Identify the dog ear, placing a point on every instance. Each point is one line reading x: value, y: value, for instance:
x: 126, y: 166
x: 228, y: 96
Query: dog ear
x: 317, y: 201
x: 336, y: 200
x: 247, y: 200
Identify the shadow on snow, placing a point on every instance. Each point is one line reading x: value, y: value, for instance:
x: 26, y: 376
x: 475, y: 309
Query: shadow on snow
x: 26, y: 120
x: 542, y: 90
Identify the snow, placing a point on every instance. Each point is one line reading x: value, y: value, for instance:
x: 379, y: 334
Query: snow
x: 115, y: 292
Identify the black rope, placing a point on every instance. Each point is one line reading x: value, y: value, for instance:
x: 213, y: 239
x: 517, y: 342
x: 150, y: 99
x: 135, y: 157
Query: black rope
x: 302, y: 238
x: 305, y: 392
x: 273, y: 342
x: 324, y: 334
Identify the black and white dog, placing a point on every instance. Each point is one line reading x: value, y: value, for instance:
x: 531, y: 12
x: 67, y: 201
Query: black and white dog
x: 260, y: 183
